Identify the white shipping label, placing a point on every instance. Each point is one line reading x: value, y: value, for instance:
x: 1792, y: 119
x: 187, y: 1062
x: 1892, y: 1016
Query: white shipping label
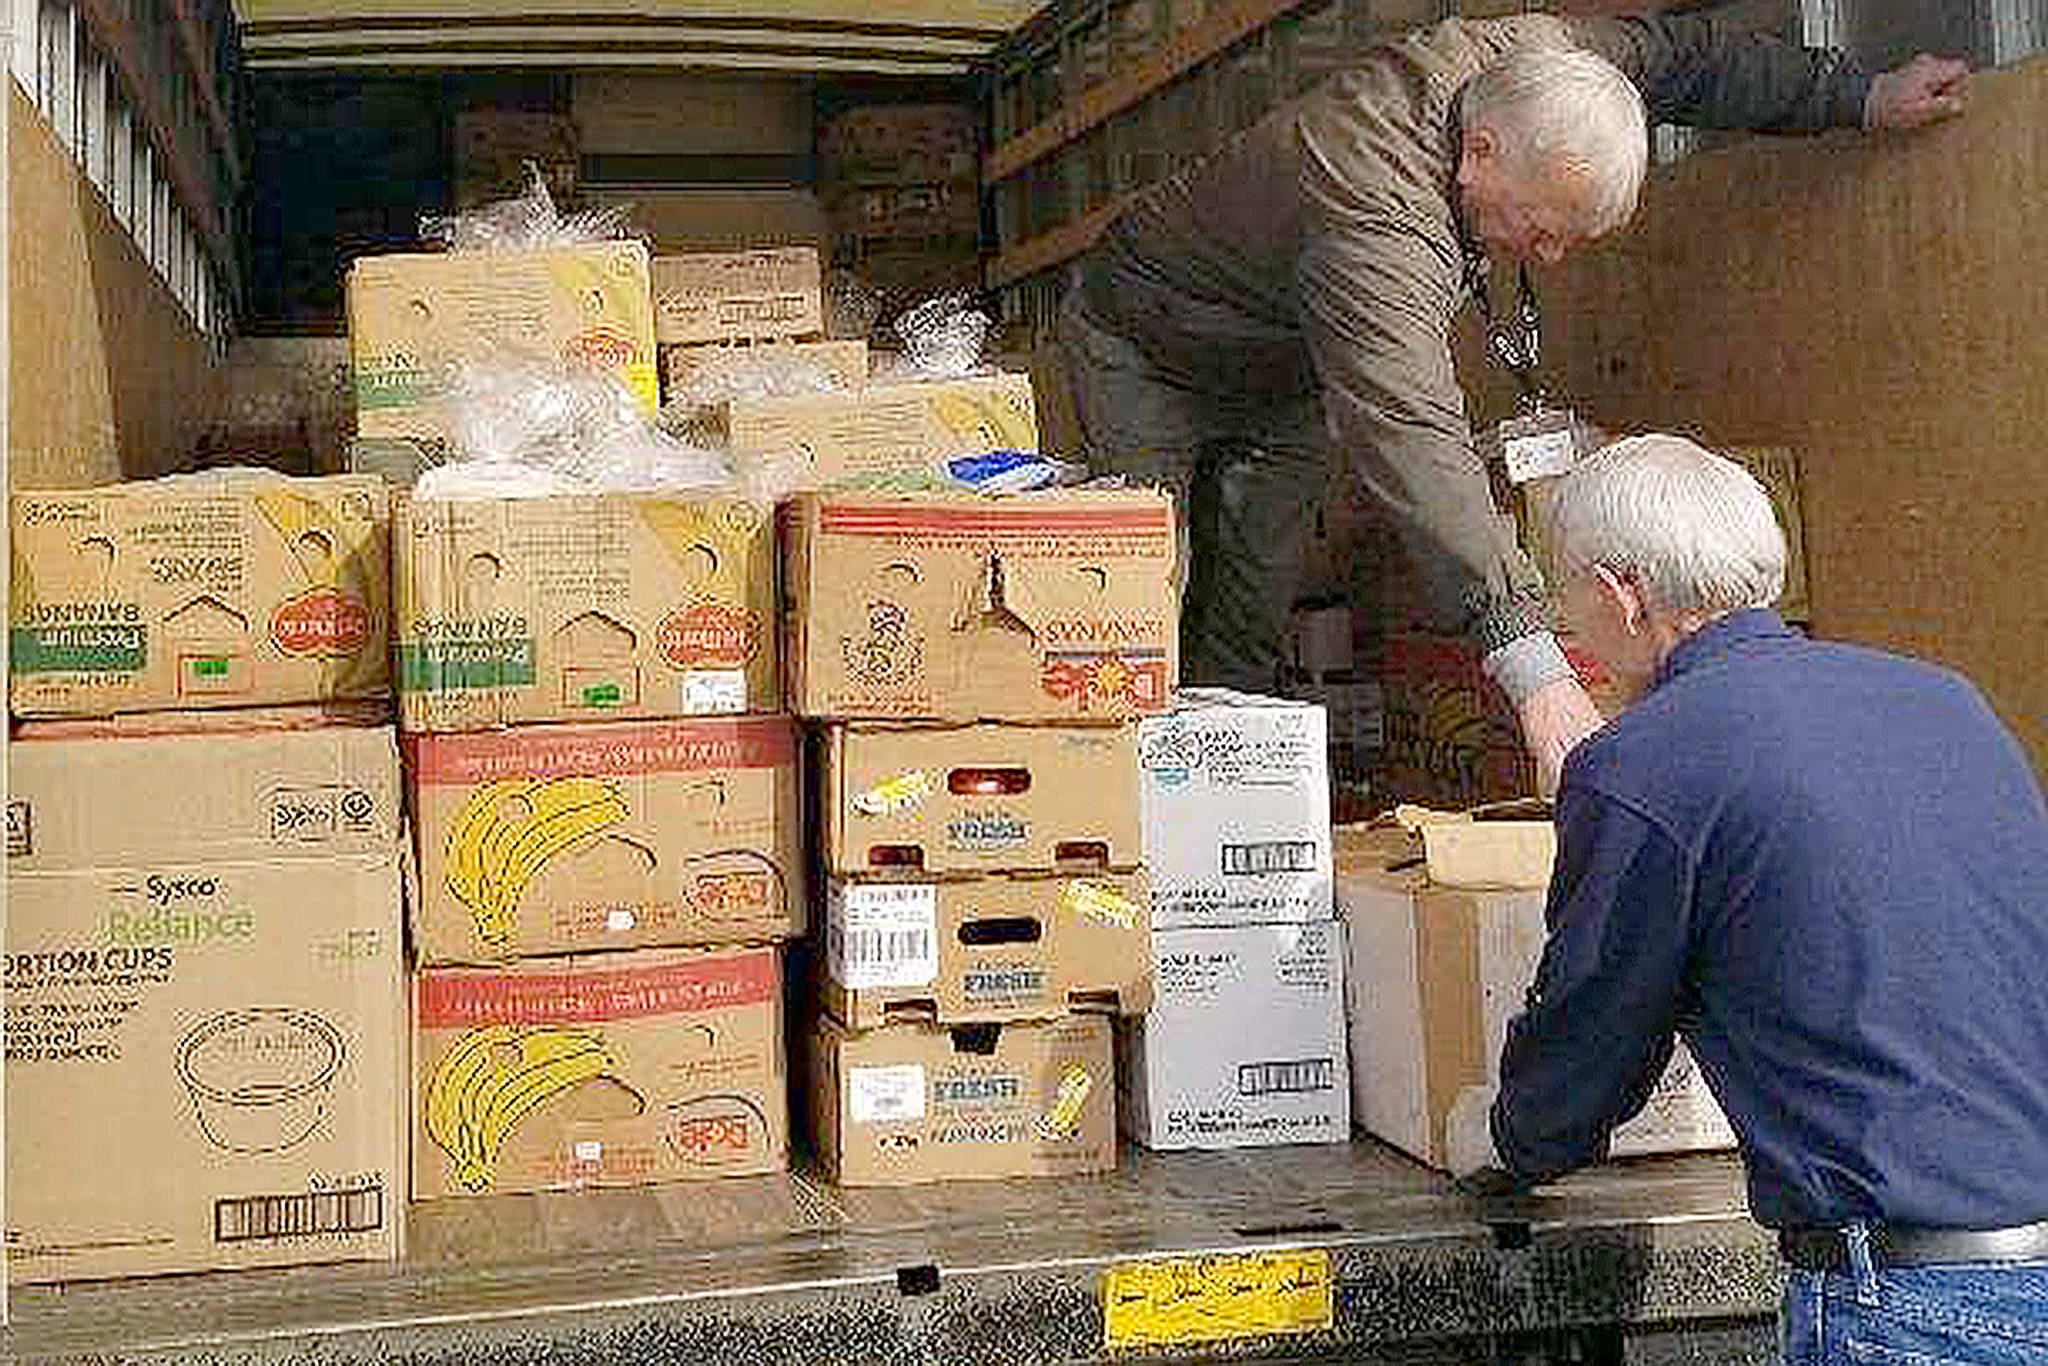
x: 885, y: 1095
x: 883, y: 935
x: 714, y: 692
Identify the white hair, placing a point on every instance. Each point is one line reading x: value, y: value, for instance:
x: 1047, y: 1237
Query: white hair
x: 1566, y: 113
x: 1691, y: 529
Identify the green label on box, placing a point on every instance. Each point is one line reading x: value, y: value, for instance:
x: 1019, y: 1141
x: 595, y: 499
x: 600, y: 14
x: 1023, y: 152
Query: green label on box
x: 210, y: 668
x: 399, y: 387
x: 603, y: 695
x: 95, y: 649
x: 445, y: 665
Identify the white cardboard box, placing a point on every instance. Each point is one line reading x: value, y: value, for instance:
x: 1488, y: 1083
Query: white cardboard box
x: 1441, y: 951
x: 1234, y: 792
x: 1244, y: 1044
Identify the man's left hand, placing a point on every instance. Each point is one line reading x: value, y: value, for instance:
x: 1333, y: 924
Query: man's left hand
x: 1923, y: 91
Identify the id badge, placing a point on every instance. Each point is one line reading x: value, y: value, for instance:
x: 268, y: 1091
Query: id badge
x: 1540, y: 444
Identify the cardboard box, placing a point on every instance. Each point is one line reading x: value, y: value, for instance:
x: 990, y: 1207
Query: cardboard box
x: 719, y: 371
x: 1234, y: 791
x: 583, y: 607
x: 237, y: 588
x: 1443, y: 946
x: 615, y: 1069
x: 933, y: 208
x: 1450, y: 737
x: 923, y: 434
x: 960, y: 951
x: 894, y: 143
x: 739, y: 295
x: 1057, y: 606
x: 1244, y: 1046
x: 413, y: 318
x: 978, y: 799
x: 916, y: 1103
x: 560, y: 839
x: 205, y: 1003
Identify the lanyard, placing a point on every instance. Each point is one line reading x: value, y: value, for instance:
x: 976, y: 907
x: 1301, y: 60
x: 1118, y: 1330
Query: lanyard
x: 1517, y: 341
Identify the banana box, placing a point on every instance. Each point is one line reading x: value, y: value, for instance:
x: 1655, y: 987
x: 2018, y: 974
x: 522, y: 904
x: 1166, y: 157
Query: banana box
x: 1055, y: 606
x: 584, y: 607
x: 561, y: 839
x: 615, y: 1069
x: 915, y: 1103
x: 964, y: 950
x: 414, y: 318
x: 232, y: 588
x: 925, y: 434
x: 206, y: 1039
x: 987, y: 798
x: 722, y: 296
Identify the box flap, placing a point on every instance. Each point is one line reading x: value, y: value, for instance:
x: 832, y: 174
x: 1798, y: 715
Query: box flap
x: 1489, y: 853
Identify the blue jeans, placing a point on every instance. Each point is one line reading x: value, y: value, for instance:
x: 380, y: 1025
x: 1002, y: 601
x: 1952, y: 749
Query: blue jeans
x: 1975, y: 1314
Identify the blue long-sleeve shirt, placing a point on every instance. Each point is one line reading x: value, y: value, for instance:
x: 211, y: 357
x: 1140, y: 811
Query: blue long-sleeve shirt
x: 1826, y: 868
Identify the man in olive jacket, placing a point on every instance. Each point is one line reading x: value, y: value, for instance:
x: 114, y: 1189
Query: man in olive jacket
x: 1289, y: 303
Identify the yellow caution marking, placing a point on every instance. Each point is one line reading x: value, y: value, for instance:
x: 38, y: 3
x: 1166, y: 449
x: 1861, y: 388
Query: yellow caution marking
x: 1174, y: 1301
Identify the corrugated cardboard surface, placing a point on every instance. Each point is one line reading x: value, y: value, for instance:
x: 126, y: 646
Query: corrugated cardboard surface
x: 1450, y: 737
x: 206, y: 1029
x: 1235, y: 794
x: 238, y: 795
x: 1435, y: 973
x: 239, y: 588
x: 1871, y: 301
x: 560, y: 839
x: 412, y: 317
x: 979, y: 799
x: 108, y: 377
x: 583, y: 607
x: 898, y: 435
x: 966, y: 950
x: 719, y: 370
x: 739, y: 295
x: 599, y: 1070
x: 1244, y: 1045
x: 1054, y: 606
x: 915, y: 1103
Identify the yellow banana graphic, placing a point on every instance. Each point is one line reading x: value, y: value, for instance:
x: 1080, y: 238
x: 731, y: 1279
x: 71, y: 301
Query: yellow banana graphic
x: 306, y: 529
x: 469, y: 1059
x: 514, y: 1098
x: 495, y: 1076
x: 1060, y: 1121
x: 991, y: 425
x: 541, y: 841
x: 506, y: 833
x: 465, y: 837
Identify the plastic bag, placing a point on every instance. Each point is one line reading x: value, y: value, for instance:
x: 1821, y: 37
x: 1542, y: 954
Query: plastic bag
x: 942, y: 337
x: 530, y: 220
x: 535, y: 428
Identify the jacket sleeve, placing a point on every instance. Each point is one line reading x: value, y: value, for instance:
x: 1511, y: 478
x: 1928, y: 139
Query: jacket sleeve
x: 1601, y: 1016
x: 1701, y: 70
x: 1377, y: 301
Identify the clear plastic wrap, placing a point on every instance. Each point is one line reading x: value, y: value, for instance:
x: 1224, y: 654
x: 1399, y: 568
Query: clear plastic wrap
x: 530, y: 220
x: 943, y: 338
x: 520, y: 430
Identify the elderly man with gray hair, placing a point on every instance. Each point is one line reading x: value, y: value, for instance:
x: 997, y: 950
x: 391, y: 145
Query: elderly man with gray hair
x: 1826, y: 869
x: 1288, y: 303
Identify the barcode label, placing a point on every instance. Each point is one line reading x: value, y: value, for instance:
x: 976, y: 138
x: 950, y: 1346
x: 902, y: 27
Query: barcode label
x: 21, y: 839
x: 258, y: 1217
x: 883, y: 935
x: 1275, y: 856
x: 1272, y: 1078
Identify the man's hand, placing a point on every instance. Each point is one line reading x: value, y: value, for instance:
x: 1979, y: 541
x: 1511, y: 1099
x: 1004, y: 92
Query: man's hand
x: 1554, y: 719
x: 1923, y: 91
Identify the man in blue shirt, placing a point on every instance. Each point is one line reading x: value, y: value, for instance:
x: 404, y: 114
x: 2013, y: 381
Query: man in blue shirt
x: 1825, y: 868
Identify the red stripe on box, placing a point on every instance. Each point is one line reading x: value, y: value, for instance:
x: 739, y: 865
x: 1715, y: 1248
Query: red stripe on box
x: 460, y: 999
x: 885, y: 519
x: 600, y: 751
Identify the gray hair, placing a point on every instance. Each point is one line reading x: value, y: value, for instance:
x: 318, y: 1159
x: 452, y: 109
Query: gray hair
x: 1566, y: 113
x: 1692, y: 529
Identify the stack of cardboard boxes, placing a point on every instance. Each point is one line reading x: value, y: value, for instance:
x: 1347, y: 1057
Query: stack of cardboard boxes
x: 205, y: 1011
x: 604, y: 791
x: 976, y: 664
x: 1244, y: 1045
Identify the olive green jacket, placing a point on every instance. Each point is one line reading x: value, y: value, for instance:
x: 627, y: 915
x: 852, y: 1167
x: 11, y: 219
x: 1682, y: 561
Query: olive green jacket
x: 1321, y: 249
